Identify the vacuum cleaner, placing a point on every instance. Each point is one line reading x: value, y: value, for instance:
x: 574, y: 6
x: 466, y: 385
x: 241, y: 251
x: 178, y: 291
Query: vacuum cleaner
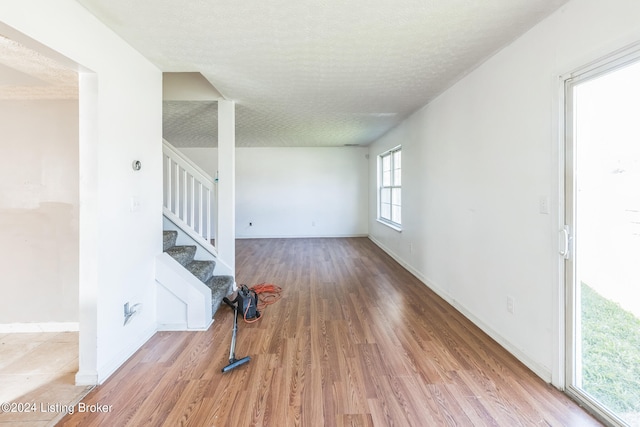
x: 246, y: 300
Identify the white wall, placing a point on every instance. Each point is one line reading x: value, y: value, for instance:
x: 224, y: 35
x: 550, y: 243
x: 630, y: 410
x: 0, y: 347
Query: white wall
x: 205, y: 158
x: 476, y: 162
x: 120, y: 121
x: 297, y: 192
x: 39, y: 212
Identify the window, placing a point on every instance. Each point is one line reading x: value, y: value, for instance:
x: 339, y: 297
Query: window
x: 390, y: 187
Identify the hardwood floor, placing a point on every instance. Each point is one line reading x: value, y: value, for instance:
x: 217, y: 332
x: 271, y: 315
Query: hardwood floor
x: 355, y: 340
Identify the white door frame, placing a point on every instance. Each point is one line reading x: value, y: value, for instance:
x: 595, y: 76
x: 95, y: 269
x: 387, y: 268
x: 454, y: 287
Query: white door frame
x: 88, y: 211
x: 604, y: 65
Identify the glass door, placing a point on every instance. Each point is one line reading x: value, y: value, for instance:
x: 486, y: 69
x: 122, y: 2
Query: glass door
x: 602, y: 239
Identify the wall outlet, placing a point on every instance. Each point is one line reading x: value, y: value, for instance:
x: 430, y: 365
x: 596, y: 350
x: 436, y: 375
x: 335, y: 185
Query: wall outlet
x: 510, y: 305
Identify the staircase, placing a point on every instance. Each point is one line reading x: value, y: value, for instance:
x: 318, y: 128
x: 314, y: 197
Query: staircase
x: 188, y: 292
x: 220, y: 286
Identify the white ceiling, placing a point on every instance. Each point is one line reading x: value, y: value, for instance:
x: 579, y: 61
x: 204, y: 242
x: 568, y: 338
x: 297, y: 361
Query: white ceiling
x: 315, y: 72
x: 28, y: 75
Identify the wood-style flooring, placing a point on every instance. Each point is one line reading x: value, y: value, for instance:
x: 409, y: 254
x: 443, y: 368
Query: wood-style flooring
x: 355, y: 340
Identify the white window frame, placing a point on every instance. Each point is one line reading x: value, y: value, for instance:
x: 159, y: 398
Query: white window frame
x: 393, y: 188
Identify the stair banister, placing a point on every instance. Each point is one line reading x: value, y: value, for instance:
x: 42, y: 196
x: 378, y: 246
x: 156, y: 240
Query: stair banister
x: 182, y: 202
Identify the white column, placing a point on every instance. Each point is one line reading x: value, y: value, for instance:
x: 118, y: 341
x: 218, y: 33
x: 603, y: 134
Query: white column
x: 226, y: 232
x: 89, y: 224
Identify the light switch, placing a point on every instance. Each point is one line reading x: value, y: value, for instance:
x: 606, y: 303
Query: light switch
x: 135, y: 204
x: 544, y: 205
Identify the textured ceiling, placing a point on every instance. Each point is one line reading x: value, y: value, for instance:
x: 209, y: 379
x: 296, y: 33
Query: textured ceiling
x: 315, y: 73
x: 28, y: 75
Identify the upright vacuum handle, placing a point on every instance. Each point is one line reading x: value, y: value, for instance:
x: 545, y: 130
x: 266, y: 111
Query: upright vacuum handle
x: 233, y: 362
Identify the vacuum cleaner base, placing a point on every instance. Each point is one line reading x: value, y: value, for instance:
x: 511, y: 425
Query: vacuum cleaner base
x: 235, y: 363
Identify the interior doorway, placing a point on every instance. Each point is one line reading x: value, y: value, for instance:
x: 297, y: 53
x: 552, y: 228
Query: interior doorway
x: 39, y: 225
x: 602, y: 251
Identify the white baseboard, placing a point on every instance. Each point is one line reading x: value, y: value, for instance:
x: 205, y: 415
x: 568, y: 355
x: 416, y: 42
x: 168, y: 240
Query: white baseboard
x: 277, y: 236
x: 163, y: 327
x: 109, y: 368
x: 537, y: 369
x: 178, y: 327
x: 9, y: 328
x: 86, y: 378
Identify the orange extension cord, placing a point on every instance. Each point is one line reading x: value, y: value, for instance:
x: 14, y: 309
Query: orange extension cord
x: 268, y: 294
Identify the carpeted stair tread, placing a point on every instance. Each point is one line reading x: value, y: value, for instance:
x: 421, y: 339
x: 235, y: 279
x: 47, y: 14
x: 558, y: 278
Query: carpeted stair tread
x: 169, y: 238
x: 183, y: 254
x: 220, y: 282
x: 220, y: 286
x: 203, y: 270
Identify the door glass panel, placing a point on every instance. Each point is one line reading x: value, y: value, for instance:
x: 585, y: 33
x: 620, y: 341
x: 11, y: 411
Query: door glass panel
x: 607, y: 242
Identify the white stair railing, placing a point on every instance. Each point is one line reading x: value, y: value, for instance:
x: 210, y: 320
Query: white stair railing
x: 190, y: 195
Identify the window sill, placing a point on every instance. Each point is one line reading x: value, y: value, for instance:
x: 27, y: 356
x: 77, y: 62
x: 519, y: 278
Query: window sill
x: 390, y: 225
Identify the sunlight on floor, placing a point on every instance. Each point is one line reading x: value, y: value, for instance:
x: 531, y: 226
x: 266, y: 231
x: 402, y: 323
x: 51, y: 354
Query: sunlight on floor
x: 37, y: 373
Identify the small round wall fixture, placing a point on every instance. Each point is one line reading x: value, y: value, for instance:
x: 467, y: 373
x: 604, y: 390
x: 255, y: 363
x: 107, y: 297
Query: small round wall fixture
x: 136, y: 165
